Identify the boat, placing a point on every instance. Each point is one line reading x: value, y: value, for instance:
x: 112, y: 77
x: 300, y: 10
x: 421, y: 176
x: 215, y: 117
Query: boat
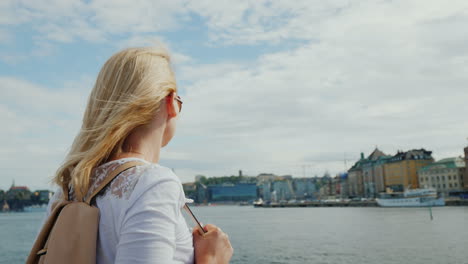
x: 6, y: 207
x: 412, y: 198
x: 258, y: 203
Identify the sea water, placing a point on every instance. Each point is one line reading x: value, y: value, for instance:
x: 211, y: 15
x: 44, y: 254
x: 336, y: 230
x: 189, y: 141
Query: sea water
x: 306, y: 235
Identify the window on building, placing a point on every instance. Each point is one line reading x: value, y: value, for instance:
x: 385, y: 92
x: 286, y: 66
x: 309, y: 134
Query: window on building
x: 443, y: 185
x: 450, y: 185
x: 443, y: 178
x: 450, y: 177
x: 438, y: 186
x: 438, y: 178
x: 455, y: 184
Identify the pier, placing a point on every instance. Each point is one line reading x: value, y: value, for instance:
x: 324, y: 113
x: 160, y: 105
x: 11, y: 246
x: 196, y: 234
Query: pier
x: 452, y: 202
x: 320, y: 204
x: 458, y: 202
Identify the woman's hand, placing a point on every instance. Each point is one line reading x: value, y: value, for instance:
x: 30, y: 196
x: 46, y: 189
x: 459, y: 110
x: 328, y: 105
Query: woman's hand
x: 213, y: 247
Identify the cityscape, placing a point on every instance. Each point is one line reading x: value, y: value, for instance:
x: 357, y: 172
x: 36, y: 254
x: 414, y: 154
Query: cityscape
x: 375, y: 175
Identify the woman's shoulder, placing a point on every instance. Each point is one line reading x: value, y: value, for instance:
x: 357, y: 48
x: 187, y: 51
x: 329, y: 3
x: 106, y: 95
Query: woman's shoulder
x: 143, y: 168
x: 133, y: 182
x: 154, y: 180
x: 155, y: 176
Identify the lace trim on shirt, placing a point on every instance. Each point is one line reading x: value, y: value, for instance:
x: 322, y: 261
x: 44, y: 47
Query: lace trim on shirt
x: 122, y: 186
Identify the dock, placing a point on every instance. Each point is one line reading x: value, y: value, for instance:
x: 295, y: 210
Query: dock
x: 457, y: 202
x: 320, y: 204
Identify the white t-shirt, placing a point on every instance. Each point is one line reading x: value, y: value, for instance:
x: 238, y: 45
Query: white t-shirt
x: 141, y: 217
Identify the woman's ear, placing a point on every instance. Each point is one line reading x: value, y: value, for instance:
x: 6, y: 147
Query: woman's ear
x: 171, y: 107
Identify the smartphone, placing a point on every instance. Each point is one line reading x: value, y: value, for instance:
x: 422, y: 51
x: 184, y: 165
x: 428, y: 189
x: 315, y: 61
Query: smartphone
x: 187, y: 208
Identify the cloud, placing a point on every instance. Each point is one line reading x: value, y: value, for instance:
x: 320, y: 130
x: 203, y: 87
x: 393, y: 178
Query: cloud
x: 137, y: 16
x: 38, y: 126
x: 246, y: 22
x: 361, y: 74
x: 95, y: 21
x: 376, y: 77
x: 142, y: 40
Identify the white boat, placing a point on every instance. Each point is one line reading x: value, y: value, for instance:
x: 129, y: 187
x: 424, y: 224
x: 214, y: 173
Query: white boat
x: 412, y: 198
x: 259, y: 202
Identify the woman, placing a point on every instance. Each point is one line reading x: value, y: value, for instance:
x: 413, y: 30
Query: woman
x: 131, y: 114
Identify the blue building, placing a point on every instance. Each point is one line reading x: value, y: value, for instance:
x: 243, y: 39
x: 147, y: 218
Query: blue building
x: 344, y: 185
x: 232, y: 192
x: 265, y: 190
x: 304, y: 188
x: 282, y: 190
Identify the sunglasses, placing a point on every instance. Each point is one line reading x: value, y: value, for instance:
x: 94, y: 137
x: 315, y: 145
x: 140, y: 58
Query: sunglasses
x: 179, y: 100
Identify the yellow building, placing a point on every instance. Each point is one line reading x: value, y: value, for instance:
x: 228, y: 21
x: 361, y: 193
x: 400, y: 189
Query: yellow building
x: 401, y: 171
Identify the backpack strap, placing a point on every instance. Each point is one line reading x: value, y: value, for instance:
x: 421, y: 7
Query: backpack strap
x: 111, y: 176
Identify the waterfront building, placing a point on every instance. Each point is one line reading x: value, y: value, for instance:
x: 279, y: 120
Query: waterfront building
x: 326, y: 188
x: 304, y: 188
x: 283, y: 190
x: 201, y: 193
x: 189, y: 187
x: 18, y: 197
x: 344, y: 185
x: 266, y: 177
x: 372, y: 173
x: 379, y: 173
x: 336, y: 186
x: 41, y: 197
x: 465, y: 179
x: 264, y: 190
x: 368, y: 182
x: 232, y: 192
x: 445, y: 175
x: 325, y: 192
x: 22, y: 192
x: 355, y: 182
x: 190, y: 190
x: 401, y: 170
x: 286, y: 177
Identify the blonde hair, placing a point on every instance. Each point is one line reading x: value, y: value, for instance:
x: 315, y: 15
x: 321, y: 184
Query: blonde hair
x: 128, y: 91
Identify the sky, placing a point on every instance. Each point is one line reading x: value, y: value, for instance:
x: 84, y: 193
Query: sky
x: 284, y: 87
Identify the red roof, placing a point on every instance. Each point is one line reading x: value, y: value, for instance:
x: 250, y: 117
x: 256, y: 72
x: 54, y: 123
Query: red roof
x: 19, y: 188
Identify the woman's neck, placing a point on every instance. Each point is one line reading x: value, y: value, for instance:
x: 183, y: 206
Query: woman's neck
x: 145, y: 142
x: 142, y: 145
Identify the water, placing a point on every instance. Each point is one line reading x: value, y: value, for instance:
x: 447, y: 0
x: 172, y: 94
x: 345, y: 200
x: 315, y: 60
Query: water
x: 307, y: 235
x: 17, y: 233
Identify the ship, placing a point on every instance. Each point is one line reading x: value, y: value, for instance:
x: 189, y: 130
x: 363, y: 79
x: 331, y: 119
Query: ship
x: 412, y: 198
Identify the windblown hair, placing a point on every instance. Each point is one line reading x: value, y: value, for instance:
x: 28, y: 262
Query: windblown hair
x: 128, y: 92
